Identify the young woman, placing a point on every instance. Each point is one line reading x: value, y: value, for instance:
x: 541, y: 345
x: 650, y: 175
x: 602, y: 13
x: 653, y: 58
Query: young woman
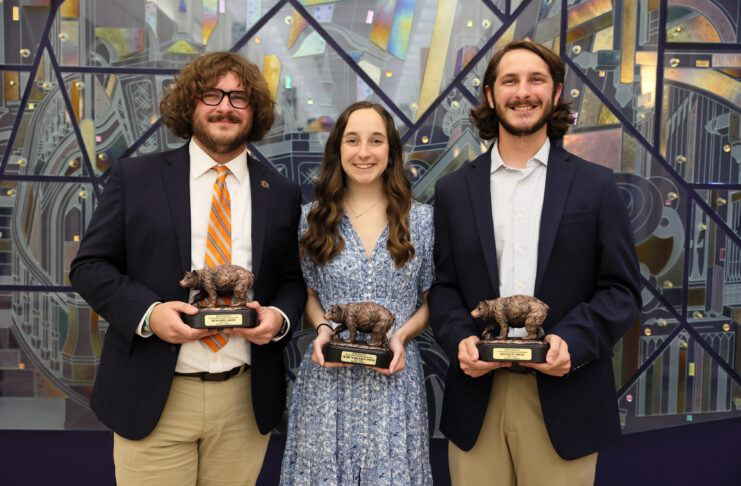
x: 363, y: 239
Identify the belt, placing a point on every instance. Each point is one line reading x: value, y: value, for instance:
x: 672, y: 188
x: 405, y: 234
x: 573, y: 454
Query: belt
x: 223, y: 376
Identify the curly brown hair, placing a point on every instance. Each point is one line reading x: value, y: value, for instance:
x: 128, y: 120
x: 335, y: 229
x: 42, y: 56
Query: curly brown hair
x: 322, y: 241
x: 179, y: 102
x: 485, y: 118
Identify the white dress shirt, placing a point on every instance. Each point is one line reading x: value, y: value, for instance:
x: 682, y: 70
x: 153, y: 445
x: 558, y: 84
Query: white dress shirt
x: 517, y: 202
x: 194, y: 356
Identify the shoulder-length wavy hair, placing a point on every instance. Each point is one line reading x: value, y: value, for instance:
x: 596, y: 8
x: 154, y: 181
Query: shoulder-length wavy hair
x: 322, y: 241
x: 485, y: 117
x: 179, y: 102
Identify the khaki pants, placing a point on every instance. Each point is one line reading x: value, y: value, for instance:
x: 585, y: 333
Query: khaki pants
x: 513, y: 447
x: 207, y: 435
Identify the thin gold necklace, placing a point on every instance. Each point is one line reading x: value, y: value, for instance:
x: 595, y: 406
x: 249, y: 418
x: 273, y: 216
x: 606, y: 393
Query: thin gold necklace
x: 357, y: 215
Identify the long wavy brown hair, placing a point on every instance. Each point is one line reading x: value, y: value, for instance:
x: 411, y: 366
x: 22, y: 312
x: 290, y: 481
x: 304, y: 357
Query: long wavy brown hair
x: 485, y: 118
x: 322, y: 241
x: 179, y: 102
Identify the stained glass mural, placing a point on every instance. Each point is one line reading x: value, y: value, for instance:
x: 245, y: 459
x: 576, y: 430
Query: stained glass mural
x: 655, y: 84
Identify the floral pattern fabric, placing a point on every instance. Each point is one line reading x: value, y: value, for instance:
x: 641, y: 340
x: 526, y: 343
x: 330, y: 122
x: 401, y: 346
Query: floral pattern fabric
x: 350, y: 426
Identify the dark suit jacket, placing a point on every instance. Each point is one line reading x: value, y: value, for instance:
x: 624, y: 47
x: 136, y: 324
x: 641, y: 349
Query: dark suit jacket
x: 587, y: 273
x: 136, y: 250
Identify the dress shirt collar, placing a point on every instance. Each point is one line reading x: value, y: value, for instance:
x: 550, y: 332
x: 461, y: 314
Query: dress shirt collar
x: 540, y: 156
x: 201, y: 163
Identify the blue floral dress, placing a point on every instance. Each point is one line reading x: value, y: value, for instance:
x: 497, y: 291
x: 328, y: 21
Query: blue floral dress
x: 350, y: 426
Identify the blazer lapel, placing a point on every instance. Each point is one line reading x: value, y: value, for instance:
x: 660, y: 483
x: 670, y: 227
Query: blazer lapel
x: 479, y: 190
x: 175, y: 173
x: 260, y: 187
x: 557, y: 185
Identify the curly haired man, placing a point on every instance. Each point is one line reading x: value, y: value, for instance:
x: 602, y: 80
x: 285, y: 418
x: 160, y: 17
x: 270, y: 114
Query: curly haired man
x: 190, y: 405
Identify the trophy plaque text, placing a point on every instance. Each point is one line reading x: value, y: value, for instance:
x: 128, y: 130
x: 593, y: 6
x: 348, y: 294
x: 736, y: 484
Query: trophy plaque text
x: 514, y: 311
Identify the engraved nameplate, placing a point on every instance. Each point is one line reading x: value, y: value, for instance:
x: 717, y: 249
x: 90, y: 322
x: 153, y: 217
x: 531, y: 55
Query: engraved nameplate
x: 358, y: 358
x: 222, y: 320
x: 512, y: 354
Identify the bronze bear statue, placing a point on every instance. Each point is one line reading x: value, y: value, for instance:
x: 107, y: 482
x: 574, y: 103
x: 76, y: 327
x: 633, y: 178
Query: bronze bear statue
x: 363, y: 316
x: 221, y: 280
x: 514, y: 311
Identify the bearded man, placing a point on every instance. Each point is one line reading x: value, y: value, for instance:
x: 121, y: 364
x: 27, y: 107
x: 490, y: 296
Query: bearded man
x: 528, y: 217
x: 191, y: 405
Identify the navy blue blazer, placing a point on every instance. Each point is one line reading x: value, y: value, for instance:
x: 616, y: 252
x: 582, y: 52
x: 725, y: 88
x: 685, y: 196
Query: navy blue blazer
x: 136, y: 250
x: 587, y: 273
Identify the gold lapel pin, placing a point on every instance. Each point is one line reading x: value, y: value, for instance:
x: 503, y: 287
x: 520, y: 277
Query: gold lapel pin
x: 264, y: 184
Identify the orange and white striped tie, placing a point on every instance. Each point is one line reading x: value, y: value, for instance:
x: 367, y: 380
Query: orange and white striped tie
x: 219, y: 241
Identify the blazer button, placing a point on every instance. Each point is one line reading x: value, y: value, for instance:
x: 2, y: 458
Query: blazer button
x: 174, y: 348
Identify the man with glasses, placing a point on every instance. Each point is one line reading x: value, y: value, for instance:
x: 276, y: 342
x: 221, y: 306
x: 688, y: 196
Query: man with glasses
x: 189, y: 405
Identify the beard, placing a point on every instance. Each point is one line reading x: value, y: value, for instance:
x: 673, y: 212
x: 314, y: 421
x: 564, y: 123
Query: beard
x: 527, y: 130
x: 220, y: 144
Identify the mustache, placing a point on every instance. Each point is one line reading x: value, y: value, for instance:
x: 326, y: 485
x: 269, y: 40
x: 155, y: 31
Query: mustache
x: 216, y: 117
x: 523, y: 102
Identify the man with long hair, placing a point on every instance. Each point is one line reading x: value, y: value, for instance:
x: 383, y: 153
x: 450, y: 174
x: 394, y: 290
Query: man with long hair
x: 189, y: 405
x: 528, y: 217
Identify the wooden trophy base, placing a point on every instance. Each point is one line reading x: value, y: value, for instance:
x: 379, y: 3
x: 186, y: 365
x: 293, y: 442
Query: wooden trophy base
x: 338, y: 351
x: 515, y: 350
x: 221, y: 318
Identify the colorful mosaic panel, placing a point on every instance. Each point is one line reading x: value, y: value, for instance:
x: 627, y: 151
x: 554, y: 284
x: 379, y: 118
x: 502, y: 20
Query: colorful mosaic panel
x: 655, y: 85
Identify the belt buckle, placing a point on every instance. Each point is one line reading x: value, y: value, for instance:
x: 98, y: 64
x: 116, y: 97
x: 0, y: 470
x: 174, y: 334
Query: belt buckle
x: 223, y: 376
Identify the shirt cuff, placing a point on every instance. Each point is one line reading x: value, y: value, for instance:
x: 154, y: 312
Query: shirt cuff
x: 280, y: 335
x: 140, y: 328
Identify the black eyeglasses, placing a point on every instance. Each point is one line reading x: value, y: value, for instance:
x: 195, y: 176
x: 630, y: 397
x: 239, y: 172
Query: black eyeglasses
x: 213, y: 96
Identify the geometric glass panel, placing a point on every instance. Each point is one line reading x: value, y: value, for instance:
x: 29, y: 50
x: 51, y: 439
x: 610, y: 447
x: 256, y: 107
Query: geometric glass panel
x: 49, y: 347
x: 702, y: 22
x: 701, y: 129
x: 657, y: 101
x: 683, y: 384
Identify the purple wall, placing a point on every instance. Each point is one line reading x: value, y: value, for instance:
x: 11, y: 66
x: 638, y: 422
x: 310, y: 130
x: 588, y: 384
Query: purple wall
x: 700, y: 454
